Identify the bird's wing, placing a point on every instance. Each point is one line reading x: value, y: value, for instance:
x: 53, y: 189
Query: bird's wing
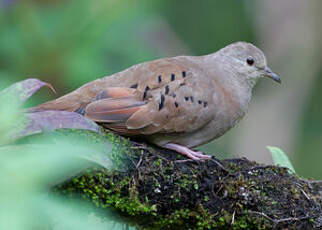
x: 167, y: 96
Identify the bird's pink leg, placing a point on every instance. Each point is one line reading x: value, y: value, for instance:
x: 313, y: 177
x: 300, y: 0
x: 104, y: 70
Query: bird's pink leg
x: 187, y: 152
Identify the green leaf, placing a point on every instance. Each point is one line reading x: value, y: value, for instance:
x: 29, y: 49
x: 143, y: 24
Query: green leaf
x: 29, y: 170
x: 280, y: 158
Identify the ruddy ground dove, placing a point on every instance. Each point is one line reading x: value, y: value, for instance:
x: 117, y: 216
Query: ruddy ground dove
x: 176, y: 103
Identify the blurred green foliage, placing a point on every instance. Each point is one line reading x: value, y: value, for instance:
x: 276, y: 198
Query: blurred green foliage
x: 206, y: 26
x: 69, y: 43
x: 28, y: 171
x: 308, y: 156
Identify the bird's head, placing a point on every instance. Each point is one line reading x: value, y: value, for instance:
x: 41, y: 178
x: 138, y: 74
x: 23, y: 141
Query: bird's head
x: 247, y: 62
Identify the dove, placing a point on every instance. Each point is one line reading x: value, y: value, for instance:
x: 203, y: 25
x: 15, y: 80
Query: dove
x: 177, y: 103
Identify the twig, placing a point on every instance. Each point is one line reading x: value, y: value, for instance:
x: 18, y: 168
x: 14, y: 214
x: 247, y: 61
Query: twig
x: 261, y: 167
x: 220, y: 165
x: 306, y: 196
x: 304, y: 193
x: 312, y: 181
x: 233, y: 218
x: 277, y: 221
x: 139, y: 163
x: 184, y: 161
x: 158, y: 155
x: 138, y: 145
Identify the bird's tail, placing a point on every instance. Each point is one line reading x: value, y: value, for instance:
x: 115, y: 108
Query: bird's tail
x: 112, y: 107
x: 75, y: 100
x: 64, y: 103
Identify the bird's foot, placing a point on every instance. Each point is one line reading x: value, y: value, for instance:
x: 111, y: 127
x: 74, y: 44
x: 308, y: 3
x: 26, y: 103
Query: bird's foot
x: 197, y: 156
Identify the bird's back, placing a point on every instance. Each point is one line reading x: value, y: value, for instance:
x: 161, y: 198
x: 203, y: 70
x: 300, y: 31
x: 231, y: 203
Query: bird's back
x: 179, y: 96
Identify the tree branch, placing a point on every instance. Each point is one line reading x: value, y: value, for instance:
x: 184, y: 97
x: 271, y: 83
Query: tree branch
x: 161, y: 190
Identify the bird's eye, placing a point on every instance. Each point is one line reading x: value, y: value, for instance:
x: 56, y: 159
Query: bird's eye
x: 250, y: 60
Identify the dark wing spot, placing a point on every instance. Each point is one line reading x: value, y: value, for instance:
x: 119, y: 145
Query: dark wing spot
x: 176, y: 104
x: 161, y: 104
x: 199, y: 102
x: 134, y: 86
x: 145, y: 91
x: 101, y: 95
x: 191, y: 98
x: 173, y: 77
x: 186, y: 98
x: 205, y: 104
x: 166, y: 89
x: 182, y: 84
x: 183, y: 74
x: 81, y: 111
x: 173, y: 95
x: 159, y: 79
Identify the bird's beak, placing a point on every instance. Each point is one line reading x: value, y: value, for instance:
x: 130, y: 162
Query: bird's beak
x: 269, y: 73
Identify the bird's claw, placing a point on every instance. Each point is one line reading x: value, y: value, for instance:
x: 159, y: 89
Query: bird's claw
x: 197, y: 156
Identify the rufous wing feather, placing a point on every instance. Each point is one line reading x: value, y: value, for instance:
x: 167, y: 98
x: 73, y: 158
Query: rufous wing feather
x: 116, y: 108
x: 113, y: 110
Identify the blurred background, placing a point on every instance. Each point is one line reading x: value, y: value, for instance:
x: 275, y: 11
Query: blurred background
x: 71, y: 42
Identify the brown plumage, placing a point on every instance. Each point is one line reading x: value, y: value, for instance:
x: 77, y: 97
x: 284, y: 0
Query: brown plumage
x: 178, y: 102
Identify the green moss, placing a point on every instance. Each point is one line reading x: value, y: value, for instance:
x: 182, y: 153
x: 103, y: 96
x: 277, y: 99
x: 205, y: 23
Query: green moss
x: 110, y: 192
x: 162, y: 194
x: 111, y: 189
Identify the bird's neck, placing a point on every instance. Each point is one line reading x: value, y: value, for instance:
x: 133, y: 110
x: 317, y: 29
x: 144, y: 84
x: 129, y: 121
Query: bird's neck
x: 237, y: 97
x: 233, y: 86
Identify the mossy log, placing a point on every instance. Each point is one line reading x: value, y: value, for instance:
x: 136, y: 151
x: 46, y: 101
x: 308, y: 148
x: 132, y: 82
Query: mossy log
x: 158, y: 189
